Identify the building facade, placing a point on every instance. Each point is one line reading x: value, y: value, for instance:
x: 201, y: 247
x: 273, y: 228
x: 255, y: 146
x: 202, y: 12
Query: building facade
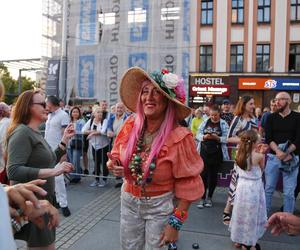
x: 253, y: 46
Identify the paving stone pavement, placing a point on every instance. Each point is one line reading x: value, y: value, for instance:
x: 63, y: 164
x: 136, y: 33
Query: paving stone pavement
x: 95, y: 221
x: 74, y: 227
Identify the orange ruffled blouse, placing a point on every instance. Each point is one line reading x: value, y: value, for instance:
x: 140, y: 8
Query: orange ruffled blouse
x: 178, y: 164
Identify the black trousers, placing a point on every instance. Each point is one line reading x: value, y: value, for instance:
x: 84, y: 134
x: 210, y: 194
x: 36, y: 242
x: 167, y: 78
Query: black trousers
x: 100, y: 158
x: 209, y: 174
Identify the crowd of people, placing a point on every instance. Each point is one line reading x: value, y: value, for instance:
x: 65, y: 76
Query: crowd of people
x: 164, y: 157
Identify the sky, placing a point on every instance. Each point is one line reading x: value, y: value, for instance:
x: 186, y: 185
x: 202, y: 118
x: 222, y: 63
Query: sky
x: 21, y: 29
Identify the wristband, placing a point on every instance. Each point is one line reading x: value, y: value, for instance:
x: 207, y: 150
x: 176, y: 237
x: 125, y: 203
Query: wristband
x: 182, y: 215
x: 63, y: 144
x: 175, y: 222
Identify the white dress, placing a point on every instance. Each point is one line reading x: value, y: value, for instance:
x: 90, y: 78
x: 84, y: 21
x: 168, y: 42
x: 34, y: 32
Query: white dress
x: 249, y: 215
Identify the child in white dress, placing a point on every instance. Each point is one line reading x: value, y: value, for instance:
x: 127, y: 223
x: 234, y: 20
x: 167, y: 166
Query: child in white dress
x: 249, y: 215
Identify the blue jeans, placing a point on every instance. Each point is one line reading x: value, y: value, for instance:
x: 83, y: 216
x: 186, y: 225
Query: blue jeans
x: 74, y: 157
x: 289, y: 183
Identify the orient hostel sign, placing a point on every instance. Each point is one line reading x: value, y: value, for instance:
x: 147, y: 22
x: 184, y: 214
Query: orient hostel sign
x: 207, y: 90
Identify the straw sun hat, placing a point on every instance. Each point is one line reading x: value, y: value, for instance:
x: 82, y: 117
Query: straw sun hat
x: 170, y: 85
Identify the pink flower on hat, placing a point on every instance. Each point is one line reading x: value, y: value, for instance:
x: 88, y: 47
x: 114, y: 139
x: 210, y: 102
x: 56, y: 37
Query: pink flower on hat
x: 180, y: 91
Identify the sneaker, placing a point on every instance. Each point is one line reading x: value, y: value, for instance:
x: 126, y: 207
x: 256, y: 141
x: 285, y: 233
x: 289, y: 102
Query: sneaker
x: 94, y: 183
x: 118, y: 185
x: 102, y: 183
x: 208, y: 203
x: 66, y: 211
x: 201, y: 204
x: 86, y: 171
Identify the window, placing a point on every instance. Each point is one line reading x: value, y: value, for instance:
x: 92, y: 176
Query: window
x: 262, y: 57
x: 206, y: 11
x: 237, y: 12
x: 236, y: 58
x: 295, y: 10
x: 263, y: 11
x: 206, y: 58
x: 294, y: 58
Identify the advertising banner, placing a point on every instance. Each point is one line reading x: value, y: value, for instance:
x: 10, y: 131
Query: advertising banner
x: 53, y: 77
x: 272, y: 83
x: 88, y: 23
x: 85, y: 87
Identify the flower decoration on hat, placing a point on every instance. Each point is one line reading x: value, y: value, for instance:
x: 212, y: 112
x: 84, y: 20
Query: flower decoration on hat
x: 170, y: 83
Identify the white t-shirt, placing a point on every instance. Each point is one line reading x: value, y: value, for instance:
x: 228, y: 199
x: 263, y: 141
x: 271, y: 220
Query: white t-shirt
x: 4, y: 123
x: 97, y: 141
x: 56, y: 121
x: 6, y: 236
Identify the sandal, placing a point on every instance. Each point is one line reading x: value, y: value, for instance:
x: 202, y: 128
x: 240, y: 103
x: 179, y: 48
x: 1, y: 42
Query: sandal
x: 226, y: 218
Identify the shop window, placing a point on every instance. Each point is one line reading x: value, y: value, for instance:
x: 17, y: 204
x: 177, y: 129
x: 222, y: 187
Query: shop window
x: 206, y: 58
x: 236, y: 58
x: 294, y: 58
x: 262, y: 57
x: 264, y: 11
x: 207, y: 12
x: 237, y: 12
x: 295, y: 10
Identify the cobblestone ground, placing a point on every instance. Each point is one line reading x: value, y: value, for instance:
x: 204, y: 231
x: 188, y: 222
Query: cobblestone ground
x: 74, y: 227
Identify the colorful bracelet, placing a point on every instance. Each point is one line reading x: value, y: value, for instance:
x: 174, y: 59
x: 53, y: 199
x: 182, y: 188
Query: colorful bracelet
x: 175, y: 222
x: 182, y: 215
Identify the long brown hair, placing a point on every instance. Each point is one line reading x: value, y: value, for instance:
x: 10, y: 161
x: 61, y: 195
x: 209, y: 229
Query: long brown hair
x: 21, y: 112
x: 248, y: 138
x: 241, y: 105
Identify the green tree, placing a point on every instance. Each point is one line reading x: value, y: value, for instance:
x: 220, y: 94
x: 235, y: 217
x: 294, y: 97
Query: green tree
x: 11, y: 85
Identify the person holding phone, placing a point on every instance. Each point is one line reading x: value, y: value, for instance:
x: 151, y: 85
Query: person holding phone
x: 95, y: 129
x: 212, y: 138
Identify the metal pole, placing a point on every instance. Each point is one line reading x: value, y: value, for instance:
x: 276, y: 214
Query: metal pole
x: 19, y: 82
x: 63, y: 59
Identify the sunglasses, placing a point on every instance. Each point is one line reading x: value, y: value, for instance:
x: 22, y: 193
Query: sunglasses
x: 43, y: 104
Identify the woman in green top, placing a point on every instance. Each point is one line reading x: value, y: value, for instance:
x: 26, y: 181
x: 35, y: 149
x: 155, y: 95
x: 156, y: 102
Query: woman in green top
x: 196, y: 122
x: 29, y: 157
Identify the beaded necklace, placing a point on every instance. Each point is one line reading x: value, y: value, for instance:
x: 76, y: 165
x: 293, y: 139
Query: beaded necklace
x: 139, y: 157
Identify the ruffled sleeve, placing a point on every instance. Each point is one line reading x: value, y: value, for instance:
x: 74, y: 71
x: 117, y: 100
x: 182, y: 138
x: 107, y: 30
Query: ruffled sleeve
x: 186, y: 165
x: 122, y: 137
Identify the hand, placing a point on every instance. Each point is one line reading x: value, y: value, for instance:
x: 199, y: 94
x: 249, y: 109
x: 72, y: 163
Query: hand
x: 20, y: 193
x: 69, y: 132
x: 207, y: 137
x: 114, y: 165
x: 284, y: 222
x: 110, y: 134
x: 215, y: 137
x: 168, y: 235
x: 36, y: 215
x: 64, y: 167
x: 262, y: 148
x: 280, y: 154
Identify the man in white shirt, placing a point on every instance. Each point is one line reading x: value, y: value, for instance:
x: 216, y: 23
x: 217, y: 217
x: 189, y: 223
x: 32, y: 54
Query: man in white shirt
x: 56, y: 123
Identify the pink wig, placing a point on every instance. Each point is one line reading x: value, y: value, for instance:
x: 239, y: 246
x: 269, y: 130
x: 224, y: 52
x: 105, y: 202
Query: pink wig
x: 164, y: 130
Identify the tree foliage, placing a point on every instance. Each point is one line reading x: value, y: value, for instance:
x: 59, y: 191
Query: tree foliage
x: 11, y: 85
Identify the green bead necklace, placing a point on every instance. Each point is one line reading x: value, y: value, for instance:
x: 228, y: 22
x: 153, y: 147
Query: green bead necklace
x: 137, y: 160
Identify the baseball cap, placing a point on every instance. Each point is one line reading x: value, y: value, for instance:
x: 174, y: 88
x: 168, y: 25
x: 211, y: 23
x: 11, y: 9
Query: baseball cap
x: 226, y: 101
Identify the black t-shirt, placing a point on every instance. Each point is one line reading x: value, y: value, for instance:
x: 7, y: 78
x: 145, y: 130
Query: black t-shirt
x: 213, y: 128
x: 281, y: 129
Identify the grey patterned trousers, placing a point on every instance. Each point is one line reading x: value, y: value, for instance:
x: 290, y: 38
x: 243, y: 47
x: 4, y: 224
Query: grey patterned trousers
x: 142, y: 220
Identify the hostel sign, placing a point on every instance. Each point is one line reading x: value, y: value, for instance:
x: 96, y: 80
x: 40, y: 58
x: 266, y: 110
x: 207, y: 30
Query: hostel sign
x: 203, y: 90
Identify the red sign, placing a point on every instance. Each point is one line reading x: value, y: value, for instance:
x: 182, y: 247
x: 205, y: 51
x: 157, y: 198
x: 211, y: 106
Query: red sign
x: 257, y: 83
x: 219, y: 90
